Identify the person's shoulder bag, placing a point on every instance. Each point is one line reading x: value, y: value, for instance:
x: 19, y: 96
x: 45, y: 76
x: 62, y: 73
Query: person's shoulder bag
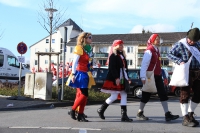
x: 150, y: 85
x: 180, y: 76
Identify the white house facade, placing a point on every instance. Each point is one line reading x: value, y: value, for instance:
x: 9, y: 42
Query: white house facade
x: 135, y: 45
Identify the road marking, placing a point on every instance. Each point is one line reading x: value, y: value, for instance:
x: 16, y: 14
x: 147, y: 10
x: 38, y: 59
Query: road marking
x: 75, y: 128
x: 56, y: 127
x: 95, y: 129
x: 23, y: 127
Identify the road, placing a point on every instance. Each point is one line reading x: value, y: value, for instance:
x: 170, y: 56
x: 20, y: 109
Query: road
x: 57, y: 120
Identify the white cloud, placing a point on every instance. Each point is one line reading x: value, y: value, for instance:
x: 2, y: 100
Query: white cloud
x: 15, y: 3
x: 153, y: 28
x: 156, y: 9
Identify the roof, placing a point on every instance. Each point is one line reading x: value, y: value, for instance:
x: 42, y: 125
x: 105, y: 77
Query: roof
x: 66, y: 23
x: 71, y: 22
x: 134, y: 38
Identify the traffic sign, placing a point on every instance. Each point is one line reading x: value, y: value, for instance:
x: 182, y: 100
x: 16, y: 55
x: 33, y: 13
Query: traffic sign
x: 21, y: 59
x: 21, y: 48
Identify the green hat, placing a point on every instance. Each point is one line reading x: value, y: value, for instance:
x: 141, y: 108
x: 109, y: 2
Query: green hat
x: 193, y: 34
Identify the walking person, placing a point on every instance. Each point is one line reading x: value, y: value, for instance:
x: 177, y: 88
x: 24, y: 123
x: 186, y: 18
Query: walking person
x: 152, y: 61
x: 180, y: 54
x: 117, y: 71
x: 80, y: 77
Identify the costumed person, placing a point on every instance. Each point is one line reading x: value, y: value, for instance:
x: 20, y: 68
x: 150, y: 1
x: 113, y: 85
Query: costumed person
x: 80, y: 77
x: 118, y: 70
x: 180, y: 54
x: 152, y: 61
x: 91, y: 82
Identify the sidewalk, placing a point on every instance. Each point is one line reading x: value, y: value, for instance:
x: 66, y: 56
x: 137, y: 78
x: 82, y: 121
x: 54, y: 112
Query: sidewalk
x: 15, y: 103
x: 8, y: 103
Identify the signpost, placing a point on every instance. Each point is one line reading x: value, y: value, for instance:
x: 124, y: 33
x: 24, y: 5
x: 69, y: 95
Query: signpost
x: 21, y: 48
x: 65, y: 33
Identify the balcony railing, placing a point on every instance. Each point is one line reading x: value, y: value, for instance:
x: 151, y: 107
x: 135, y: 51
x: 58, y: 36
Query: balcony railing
x: 163, y: 55
x: 100, y: 55
x: 140, y: 55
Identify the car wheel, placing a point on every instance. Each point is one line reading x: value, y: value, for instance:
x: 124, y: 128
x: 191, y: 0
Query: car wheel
x: 177, y: 92
x: 138, y: 92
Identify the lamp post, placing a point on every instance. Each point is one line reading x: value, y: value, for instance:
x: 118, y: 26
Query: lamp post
x: 50, y: 11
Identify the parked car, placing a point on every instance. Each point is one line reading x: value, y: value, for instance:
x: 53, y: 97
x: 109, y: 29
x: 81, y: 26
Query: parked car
x: 100, y: 74
x: 59, y: 81
x: 176, y: 90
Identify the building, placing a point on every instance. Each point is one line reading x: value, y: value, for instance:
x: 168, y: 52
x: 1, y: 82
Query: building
x: 135, y: 45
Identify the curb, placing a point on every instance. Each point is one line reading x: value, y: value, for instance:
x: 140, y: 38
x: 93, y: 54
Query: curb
x: 49, y: 105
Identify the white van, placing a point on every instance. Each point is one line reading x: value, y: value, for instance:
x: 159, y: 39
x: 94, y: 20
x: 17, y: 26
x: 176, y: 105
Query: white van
x: 9, y: 67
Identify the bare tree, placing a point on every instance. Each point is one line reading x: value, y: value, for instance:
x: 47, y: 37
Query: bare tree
x: 50, y: 19
x: 45, y: 16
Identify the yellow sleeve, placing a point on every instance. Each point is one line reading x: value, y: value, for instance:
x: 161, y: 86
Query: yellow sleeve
x: 78, y: 50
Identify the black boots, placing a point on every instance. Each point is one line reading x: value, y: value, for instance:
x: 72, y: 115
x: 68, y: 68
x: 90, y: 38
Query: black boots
x: 191, y: 117
x: 141, y: 116
x: 124, y: 115
x: 73, y: 114
x: 169, y: 116
x: 81, y: 118
x: 76, y: 113
x: 101, y: 110
x: 187, y: 122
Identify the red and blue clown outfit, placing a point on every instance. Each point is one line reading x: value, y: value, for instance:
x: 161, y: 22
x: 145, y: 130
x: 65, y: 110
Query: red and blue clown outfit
x: 81, y: 70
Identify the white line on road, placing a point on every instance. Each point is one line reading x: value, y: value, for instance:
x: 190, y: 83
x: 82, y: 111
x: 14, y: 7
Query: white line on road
x: 23, y: 127
x: 56, y: 127
x: 75, y: 128
x: 96, y: 129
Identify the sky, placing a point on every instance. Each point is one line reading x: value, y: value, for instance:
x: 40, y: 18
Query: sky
x: 19, y: 18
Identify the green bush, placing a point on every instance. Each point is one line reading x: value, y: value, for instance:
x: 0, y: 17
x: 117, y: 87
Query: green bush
x: 69, y: 93
x: 11, y: 91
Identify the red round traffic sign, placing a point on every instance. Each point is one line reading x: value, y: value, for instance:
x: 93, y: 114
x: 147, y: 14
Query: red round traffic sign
x: 21, y: 48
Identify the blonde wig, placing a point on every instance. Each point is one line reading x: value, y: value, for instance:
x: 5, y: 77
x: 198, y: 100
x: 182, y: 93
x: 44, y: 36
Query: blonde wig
x: 81, y: 40
x: 114, y: 50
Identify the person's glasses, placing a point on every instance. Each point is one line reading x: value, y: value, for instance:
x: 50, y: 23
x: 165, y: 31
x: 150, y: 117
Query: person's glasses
x: 90, y: 37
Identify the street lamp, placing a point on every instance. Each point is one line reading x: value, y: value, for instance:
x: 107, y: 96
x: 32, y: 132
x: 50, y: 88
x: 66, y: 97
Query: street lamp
x: 50, y: 11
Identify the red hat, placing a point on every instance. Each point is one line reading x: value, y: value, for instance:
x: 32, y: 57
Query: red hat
x: 152, y: 39
x: 117, y: 42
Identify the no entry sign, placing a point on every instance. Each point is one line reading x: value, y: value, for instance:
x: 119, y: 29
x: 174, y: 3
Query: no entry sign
x: 21, y: 48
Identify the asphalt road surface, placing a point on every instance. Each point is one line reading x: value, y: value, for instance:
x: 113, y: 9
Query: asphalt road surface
x: 56, y: 120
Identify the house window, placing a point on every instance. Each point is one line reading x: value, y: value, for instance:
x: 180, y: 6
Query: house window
x: 46, y: 62
x: 129, y: 49
x: 36, y: 62
x: 103, y: 49
x: 52, y: 61
x: 52, y: 50
x: 129, y: 62
x: 71, y: 49
x: 164, y: 62
x: 102, y: 62
x: 47, y: 40
x: 53, y: 40
x: 46, y: 50
x: 164, y: 49
x: 1, y: 60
